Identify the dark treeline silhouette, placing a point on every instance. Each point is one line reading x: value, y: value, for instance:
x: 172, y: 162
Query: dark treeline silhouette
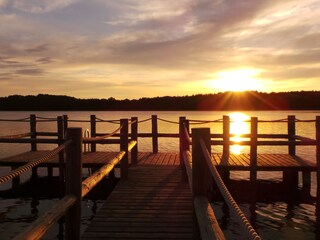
x: 251, y: 100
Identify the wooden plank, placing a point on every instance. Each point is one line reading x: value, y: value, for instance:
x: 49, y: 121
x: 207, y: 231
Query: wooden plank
x: 152, y: 204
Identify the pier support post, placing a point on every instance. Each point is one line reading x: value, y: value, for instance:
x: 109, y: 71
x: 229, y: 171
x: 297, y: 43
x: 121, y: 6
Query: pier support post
x: 33, y: 131
x: 184, y: 144
x: 291, y: 177
x: 61, y: 135
x: 93, y: 130
x: 134, y: 136
x: 154, y: 121
x: 225, y: 174
x: 201, y: 177
x: 74, y: 182
x: 253, y: 150
x: 318, y: 169
x: 124, y: 147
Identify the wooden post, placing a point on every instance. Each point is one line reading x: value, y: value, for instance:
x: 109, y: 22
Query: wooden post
x: 74, y: 182
x: 201, y: 177
x: 291, y: 177
x: 154, y: 133
x: 134, y: 136
x: 226, y: 136
x: 124, y: 147
x: 65, y: 122
x: 225, y: 174
x: 253, y: 150
x: 182, y: 141
x: 33, y: 131
x: 291, y: 134
x: 93, y: 126
x: 318, y: 169
x: 61, y: 130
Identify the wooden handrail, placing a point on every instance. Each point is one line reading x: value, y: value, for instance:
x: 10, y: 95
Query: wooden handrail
x: 38, y: 228
x: 96, y: 177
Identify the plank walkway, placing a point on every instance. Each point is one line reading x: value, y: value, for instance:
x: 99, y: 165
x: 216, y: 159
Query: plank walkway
x: 265, y: 162
x: 152, y: 204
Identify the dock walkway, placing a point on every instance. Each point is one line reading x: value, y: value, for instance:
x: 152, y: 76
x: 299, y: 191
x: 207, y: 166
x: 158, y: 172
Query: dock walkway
x: 154, y: 203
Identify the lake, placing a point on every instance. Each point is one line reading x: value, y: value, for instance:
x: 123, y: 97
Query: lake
x: 273, y: 220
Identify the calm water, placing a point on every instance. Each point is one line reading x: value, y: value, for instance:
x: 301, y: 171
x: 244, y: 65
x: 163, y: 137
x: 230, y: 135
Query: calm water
x: 275, y: 220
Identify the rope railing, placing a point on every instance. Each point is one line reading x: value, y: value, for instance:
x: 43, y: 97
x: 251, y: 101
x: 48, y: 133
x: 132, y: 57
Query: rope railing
x: 27, y: 119
x: 96, y: 139
x: 198, y: 122
x: 145, y: 120
x: 32, y: 164
x: 244, y: 223
x: 167, y: 121
x: 108, y: 121
x: 22, y: 135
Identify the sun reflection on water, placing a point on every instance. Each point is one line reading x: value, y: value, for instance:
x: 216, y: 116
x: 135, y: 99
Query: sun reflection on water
x: 239, y: 125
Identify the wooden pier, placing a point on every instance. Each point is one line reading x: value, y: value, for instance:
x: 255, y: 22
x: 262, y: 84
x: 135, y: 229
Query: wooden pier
x: 159, y: 195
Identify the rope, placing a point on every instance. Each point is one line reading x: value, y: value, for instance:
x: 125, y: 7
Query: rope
x: 244, y: 223
x: 95, y: 139
x: 22, y: 135
x: 168, y: 121
x: 306, y: 121
x: 108, y: 121
x: 46, y: 118
x: 78, y: 120
x: 196, y: 122
x: 145, y: 120
x: 16, y: 120
x: 30, y: 165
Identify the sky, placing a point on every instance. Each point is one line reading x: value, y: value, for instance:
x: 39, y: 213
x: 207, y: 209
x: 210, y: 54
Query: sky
x: 148, y: 48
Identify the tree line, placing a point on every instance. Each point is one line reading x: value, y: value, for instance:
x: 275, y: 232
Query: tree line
x: 250, y: 100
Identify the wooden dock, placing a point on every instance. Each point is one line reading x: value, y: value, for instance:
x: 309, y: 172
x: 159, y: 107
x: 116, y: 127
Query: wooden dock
x: 159, y: 195
x: 154, y: 203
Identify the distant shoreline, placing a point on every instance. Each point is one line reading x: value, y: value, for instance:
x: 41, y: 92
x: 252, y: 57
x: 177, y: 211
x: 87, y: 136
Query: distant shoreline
x: 227, y: 101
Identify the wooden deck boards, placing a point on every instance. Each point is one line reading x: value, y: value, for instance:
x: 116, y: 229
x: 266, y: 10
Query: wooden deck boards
x: 265, y: 162
x: 152, y: 204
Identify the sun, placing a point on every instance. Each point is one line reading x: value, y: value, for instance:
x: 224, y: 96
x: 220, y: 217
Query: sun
x: 237, y: 80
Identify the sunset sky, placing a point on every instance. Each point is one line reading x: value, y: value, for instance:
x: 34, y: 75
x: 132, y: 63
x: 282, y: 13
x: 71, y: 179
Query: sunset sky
x: 147, y: 48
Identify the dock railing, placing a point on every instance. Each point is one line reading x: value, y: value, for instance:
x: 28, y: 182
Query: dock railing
x: 200, y: 168
x: 76, y: 189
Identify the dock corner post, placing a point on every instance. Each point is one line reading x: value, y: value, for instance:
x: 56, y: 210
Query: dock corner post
x: 154, y: 122
x: 253, y: 150
x: 33, y: 131
x: 124, y: 147
x: 93, y: 130
x: 225, y: 174
x: 318, y: 169
x: 183, y: 147
x: 291, y: 177
x: 65, y: 122
x: 201, y: 177
x: 74, y: 182
x: 291, y: 134
x: 182, y: 140
x: 61, y: 135
x: 134, y: 137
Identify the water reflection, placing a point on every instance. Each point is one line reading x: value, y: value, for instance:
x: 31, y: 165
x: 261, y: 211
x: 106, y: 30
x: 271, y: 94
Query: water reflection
x: 239, y: 125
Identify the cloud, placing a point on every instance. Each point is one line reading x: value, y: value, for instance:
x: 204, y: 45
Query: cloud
x: 39, y: 6
x: 33, y: 72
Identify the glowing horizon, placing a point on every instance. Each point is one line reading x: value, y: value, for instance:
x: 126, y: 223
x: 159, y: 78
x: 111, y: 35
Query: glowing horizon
x: 133, y: 49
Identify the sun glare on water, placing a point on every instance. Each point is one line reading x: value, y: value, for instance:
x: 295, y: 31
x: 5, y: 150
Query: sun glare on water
x: 237, y: 80
x: 238, y: 126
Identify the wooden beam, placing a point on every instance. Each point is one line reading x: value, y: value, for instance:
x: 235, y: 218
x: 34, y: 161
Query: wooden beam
x: 74, y: 182
x: 154, y: 121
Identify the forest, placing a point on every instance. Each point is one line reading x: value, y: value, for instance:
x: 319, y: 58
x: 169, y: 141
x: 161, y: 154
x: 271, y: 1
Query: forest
x: 250, y: 100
